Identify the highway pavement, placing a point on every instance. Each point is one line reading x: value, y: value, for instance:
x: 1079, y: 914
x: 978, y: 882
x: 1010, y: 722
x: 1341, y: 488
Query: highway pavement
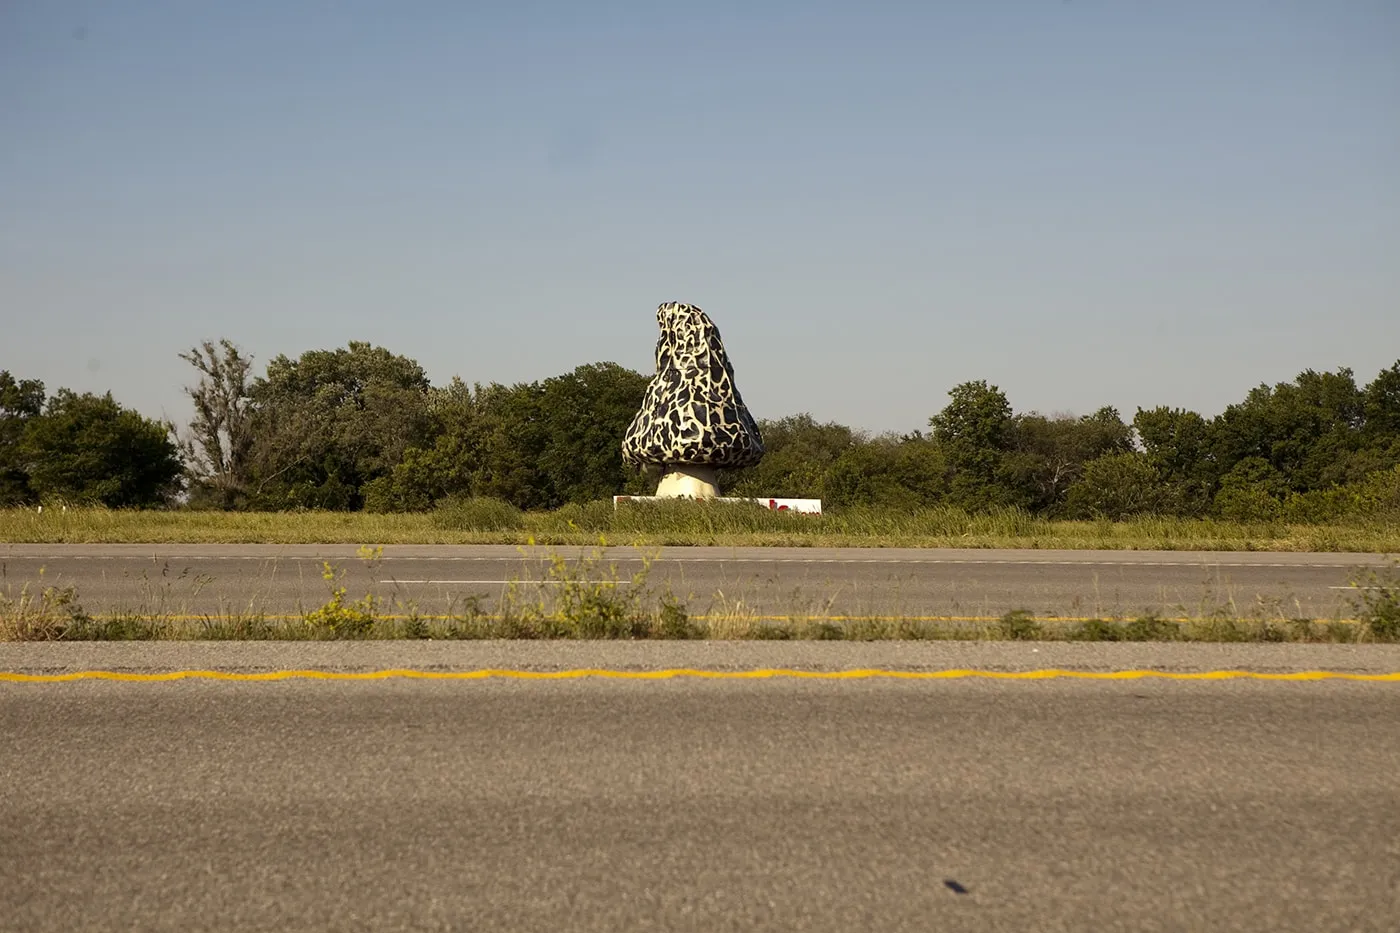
x: 436, y: 579
x: 614, y: 804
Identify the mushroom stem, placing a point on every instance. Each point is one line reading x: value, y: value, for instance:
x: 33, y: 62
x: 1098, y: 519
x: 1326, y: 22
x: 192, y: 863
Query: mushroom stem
x: 686, y: 480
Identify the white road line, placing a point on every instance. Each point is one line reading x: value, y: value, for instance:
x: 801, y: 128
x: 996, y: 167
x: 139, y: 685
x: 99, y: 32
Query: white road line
x: 490, y: 582
x: 464, y: 582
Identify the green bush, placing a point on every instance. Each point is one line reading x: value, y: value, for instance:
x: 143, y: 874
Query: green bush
x: 1247, y: 503
x: 477, y: 513
x: 1377, y: 601
x: 1097, y: 630
x: 1019, y: 625
x: 1152, y: 628
x: 1115, y: 486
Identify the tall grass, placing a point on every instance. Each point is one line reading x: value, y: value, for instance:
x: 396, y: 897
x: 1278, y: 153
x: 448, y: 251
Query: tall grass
x: 478, y: 521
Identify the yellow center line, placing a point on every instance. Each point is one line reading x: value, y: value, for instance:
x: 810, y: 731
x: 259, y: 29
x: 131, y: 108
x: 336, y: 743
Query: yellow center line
x: 671, y: 673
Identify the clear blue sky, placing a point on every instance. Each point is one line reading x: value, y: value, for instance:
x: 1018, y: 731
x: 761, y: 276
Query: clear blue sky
x: 1087, y: 202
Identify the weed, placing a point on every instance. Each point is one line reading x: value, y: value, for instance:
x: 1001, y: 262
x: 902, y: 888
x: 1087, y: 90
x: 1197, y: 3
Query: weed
x: 1219, y: 628
x: 1019, y: 625
x: 1342, y: 633
x: 123, y: 626
x: 587, y: 598
x: 1151, y: 627
x: 674, y: 622
x: 42, y: 613
x: 241, y: 627
x: 1096, y: 630
x: 823, y: 630
x: 336, y: 618
x: 1377, y: 601
x: 1302, y: 630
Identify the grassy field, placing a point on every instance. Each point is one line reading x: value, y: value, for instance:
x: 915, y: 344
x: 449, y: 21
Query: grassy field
x: 686, y: 523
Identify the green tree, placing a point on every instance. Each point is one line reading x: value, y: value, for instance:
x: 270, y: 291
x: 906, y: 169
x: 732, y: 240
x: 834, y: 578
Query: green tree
x: 1252, y: 491
x: 1309, y: 430
x: 799, y: 452
x: 327, y: 424
x: 20, y: 402
x: 905, y: 473
x: 88, y: 448
x: 509, y: 435
x: 1177, y: 443
x: 537, y: 445
x: 1049, y: 454
x: 1115, y: 486
x: 1380, y: 435
x: 219, y: 444
x: 975, y: 431
x: 1381, y: 405
x: 585, y: 414
x: 443, y: 468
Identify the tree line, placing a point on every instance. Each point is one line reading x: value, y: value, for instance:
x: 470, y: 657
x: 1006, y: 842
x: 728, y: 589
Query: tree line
x: 361, y: 428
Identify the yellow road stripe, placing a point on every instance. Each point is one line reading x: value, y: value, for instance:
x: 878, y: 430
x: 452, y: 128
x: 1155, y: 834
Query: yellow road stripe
x: 668, y: 674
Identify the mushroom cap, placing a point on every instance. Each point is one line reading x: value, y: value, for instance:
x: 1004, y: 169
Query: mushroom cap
x: 692, y: 412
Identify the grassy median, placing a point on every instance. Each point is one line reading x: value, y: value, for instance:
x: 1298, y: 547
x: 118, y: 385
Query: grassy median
x: 587, y: 598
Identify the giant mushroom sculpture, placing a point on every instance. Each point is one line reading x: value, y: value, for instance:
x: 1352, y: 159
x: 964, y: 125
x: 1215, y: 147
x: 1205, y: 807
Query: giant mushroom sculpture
x: 692, y: 420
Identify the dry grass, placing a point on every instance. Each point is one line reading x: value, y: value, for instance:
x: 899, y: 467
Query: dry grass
x: 684, y: 523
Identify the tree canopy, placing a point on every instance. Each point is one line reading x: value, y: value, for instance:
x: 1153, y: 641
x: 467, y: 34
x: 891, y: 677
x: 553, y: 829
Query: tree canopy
x: 89, y: 449
x: 360, y: 427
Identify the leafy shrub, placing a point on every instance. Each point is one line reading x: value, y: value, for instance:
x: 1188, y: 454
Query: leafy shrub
x: 1251, y: 492
x: 1247, y: 503
x: 1151, y: 628
x: 46, y: 613
x: 336, y: 617
x: 674, y: 622
x: 1019, y: 625
x: 1116, y: 486
x: 1097, y: 630
x: 1377, y: 601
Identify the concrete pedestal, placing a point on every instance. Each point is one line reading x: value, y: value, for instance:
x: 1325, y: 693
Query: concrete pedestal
x: 686, y: 481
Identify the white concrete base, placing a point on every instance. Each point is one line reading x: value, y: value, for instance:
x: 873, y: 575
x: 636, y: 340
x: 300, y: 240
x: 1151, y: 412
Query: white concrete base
x: 689, y: 482
x: 806, y: 506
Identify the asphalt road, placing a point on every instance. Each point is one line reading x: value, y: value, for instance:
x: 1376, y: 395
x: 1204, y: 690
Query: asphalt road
x: 690, y: 804
x: 780, y: 581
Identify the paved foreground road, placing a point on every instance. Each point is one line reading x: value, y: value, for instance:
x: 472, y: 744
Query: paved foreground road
x: 688, y: 804
x: 782, y: 581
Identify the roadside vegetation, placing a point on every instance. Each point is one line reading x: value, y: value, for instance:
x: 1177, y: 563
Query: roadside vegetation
x: 585, y: 597
x: 359, y: 431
